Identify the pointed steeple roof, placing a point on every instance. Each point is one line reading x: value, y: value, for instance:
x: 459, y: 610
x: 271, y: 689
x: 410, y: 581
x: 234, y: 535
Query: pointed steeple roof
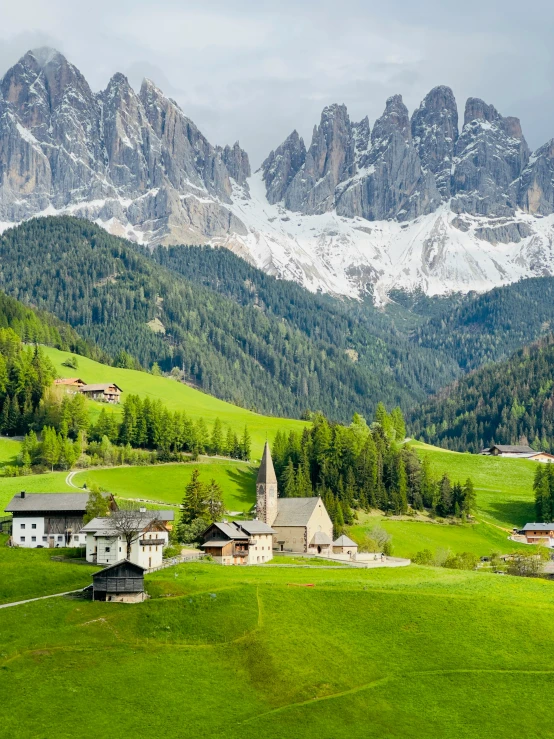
x: 266, y: 473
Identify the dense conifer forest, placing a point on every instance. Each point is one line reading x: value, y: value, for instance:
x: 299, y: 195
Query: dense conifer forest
x: 505, y: 403
x: 273, y: 361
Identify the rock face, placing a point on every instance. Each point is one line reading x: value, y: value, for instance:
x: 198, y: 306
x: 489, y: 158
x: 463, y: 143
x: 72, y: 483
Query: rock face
x: 407, y: 202
x: 112, y: 155
x: 281, y: 166
x: 491, y: 154
x: 435, y: 133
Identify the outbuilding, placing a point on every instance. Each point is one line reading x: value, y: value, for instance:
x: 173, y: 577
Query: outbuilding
x: 539, y: 533
x: 345, y: 545
x: 122, y: 582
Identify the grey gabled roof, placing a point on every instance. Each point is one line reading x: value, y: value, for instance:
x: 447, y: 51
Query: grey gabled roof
x: 37, y: 502
x: 344, y: 541
x: 229, y: 530
x: 538, y: 527
x: 294, y: 511
x: 103, y: 526
x: 118, y: 564
x: 255, y: 527
x: 99, y: 386
x: 266, y: 473
x: 514, y: 449
x: 321, y: 538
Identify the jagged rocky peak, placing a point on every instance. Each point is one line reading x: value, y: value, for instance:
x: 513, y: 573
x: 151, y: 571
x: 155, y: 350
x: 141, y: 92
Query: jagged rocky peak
x: 282, y: 164
x: 435, y: 132
x: 329, y: 160
x: 536, y: 194
x: 395, y: 119
x: 491, y: 154
x: 237, y: 163
x: 362, y: 136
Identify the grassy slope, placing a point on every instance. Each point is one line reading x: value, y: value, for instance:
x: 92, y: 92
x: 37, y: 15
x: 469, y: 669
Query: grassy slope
x: 177, y: 396
x: 411, y: 652
x: 504, y: 489
x: 30, y: 573
x: 9, y: 449
x: 167, y: 482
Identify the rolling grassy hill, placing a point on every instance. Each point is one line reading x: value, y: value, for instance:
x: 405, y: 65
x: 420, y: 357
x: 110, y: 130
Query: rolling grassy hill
x: 415, y: 652
x: 176, y: 396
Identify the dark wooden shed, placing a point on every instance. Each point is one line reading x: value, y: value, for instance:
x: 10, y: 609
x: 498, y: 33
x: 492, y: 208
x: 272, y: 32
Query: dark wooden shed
x: 122, y: 582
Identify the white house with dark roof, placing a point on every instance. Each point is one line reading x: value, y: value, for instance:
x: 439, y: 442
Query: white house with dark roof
x: 300, y: 524
x: 239, y: 542
x: 105, y: 543
x: 48, y: 519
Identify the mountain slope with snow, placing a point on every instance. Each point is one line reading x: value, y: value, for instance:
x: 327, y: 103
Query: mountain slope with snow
x: 410, y: 203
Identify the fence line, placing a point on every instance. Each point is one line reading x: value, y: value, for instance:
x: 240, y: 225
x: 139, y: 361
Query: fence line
x: 172, y: 561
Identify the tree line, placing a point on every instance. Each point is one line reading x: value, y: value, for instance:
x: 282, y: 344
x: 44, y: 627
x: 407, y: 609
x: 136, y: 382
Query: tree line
x: 363, y: 466
x: 543, y: 488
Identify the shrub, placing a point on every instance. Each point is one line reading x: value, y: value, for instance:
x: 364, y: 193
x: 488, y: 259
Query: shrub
x: 463, y: 561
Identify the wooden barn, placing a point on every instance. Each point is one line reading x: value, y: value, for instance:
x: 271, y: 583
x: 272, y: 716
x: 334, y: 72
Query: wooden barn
x: 122, y: 582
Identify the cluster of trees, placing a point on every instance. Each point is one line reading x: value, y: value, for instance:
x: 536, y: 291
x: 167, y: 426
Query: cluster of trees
x: 150, y: 425
x: 363, y: 467
x: 202, y: 505
x: 445, y: 558
x: 543, y: 487
x: 511, y: 402
x: 25, y: 375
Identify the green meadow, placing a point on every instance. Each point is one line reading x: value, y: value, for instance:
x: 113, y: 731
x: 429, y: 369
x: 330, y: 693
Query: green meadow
x: 9, y: 449
x: 248, y: 652
x: 176, y: 396
x: 166, y: 483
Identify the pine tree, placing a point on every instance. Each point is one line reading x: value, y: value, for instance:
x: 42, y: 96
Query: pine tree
x: 289, y: 481
x: 50, y: 448
x: 214, y: 502
x: 338, y: 522
x: 194, y: 502
x: 216, y: 443
x: 245, y: 444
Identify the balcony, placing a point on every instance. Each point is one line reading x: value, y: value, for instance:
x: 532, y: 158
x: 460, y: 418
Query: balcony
x: 151, y: 542
x: 240, y: 553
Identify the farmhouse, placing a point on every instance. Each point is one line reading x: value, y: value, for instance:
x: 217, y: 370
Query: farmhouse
x: 539, y: 533
x: 106, y: 538
x: 239, y: 542
x: 73, y: 384
x: 107, y: 392
x: 300, y: 524
x: 122, y: 582
x: 49, y: 519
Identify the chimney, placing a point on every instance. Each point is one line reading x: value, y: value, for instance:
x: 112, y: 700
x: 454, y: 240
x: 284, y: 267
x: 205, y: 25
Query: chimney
x: 22, y: 493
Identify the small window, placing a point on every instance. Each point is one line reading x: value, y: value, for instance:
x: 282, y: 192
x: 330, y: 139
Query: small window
x: 33, y: 538
x: 119, y: 548
x: 76, y: 538
x: 107, y: 549
x: 44, y: 538
x: 21, y: 538
x: 22, y: 525
x: 33, y: 525
x: 60, y: 538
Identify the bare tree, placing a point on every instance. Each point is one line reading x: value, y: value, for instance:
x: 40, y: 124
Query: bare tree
x: 129, y: 523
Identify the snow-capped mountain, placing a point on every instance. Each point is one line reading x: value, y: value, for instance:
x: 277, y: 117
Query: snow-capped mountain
x: 408, y: 203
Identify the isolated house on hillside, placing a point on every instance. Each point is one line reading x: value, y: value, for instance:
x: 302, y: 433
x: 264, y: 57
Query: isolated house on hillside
x: 73, y: 384
x: 300, y: 524
x: 539, y: 533
x: 518, y: 451
x: 107, y: 392
x: 239, y: 542
x: 106, y: 540
x: 122, y: 582
x: 49, y: 519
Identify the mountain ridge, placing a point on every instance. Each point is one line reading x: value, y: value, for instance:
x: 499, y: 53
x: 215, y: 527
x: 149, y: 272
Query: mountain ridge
x: 411, y: 202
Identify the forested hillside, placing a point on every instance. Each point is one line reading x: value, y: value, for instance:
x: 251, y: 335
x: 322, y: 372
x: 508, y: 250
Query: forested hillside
x: 117, y: 296
x: 504, y: 403
x: 477, y: 329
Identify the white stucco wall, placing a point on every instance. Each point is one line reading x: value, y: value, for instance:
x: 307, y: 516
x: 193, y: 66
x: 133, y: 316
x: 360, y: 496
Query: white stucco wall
x: 262, y: 549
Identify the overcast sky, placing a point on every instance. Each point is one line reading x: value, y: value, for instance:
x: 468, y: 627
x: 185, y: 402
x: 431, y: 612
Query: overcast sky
x: 255, y: 70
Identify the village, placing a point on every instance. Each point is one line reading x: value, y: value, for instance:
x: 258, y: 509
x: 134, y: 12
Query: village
x: 132, y: 542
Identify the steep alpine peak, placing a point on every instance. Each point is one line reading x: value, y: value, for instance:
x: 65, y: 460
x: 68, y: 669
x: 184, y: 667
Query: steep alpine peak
x: 282, y: 164
x: 395, y: 118
x: 46, y: 56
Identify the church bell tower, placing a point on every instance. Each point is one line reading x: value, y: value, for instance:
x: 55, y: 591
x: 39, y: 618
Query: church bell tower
x: 266, y: 489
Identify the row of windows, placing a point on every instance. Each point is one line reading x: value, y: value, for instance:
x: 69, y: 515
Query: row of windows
x: 33, y: 525
x: 45, y: 538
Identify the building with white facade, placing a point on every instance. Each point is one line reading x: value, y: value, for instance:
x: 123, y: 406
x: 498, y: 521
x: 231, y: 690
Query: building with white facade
x: 107, y: 539
x: 48, y: 519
